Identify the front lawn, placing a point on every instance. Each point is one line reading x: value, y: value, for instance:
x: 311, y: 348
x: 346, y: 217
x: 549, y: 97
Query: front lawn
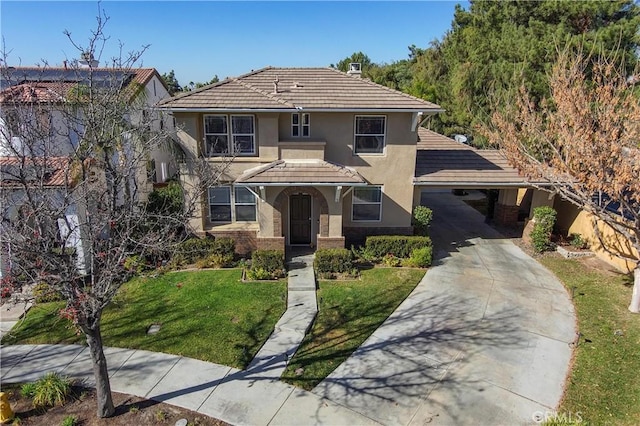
x: 207, y: 315
x: 348, y: 313
x: 603, y: 386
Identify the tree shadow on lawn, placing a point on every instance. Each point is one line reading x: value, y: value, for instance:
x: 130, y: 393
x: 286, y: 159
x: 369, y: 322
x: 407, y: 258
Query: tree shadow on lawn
x: 408, y: 357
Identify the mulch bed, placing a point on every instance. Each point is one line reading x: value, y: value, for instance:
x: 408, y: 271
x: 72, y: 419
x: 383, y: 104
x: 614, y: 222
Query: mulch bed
x: 130, y: 410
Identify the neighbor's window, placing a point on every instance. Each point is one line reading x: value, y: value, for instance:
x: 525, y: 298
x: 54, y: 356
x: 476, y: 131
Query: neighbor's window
x: 217, y: 135
x: 300, y: 125
x: 366, y: 204
x: 369, y: 134
x: 225, y: 208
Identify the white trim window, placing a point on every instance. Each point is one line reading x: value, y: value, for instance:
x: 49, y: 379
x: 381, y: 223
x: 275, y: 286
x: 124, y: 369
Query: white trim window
x: 369, y: 135
x: 366, y: 204
x: 223, y: 208
x: 300, y: 125
x: 218, y: 133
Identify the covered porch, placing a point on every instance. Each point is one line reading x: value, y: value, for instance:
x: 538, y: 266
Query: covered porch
x: 300, y: 202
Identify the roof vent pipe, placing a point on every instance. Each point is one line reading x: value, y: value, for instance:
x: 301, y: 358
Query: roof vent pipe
x: 275, y: 85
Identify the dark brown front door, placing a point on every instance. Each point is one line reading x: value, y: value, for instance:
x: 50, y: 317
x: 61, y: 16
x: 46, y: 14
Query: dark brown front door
x: 300, y: 218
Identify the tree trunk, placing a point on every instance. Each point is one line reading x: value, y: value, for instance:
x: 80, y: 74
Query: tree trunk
x: 635, y: 297
x: 100, y: 373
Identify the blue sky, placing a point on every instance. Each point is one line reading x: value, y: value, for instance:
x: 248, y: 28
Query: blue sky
x: 199, y: 39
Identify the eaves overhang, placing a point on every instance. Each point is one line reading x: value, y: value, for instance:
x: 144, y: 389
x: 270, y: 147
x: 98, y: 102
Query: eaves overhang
x: 298, y: 109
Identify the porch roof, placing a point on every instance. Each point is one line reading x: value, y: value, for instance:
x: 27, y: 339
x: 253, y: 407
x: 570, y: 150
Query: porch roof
x: 443, y: 162
x: 306, y: 172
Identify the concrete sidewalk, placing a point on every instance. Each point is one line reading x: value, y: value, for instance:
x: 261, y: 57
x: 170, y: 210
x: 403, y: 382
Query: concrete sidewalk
x: 483, y: 339
x: 235, y: 396
x: 272, y: 359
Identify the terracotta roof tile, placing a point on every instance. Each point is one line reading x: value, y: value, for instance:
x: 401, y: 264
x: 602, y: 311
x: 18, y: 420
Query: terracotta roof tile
x: 308, y: 88
x: 50, y: 172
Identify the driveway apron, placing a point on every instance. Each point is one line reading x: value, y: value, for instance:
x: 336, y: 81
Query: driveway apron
x: 485, y: 338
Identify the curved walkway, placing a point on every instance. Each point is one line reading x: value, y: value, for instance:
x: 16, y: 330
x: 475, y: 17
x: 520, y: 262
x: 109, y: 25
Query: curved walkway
x: 485, y: 338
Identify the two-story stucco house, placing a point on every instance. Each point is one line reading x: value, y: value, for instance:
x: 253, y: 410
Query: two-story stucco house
x: 38, y: 135
x: 322, y: 157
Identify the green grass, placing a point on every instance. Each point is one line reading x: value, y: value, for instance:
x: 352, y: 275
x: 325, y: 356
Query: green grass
x: 348, y: 312
x: 603, y: 386
x: 207, y: 315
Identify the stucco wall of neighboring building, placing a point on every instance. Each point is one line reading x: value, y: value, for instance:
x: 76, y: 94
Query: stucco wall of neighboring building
x: 575, y: 221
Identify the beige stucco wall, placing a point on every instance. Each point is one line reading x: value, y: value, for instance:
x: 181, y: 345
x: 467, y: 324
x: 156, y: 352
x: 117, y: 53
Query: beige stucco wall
x: 393, y: 170
x: 575, y: 221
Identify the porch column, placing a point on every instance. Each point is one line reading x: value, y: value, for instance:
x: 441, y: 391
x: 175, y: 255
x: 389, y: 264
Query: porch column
x: 506, y: 212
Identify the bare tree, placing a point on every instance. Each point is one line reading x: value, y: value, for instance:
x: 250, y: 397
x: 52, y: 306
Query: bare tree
x: 585, y: 141
x: 74, y: 187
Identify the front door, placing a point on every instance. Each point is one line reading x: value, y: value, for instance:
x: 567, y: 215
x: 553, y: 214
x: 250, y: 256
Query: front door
x: 300, y: 218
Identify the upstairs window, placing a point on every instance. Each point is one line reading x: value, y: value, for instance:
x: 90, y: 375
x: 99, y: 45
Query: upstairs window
x: 300, y: 125
x: 218, y: 133
x: 366, y: 204
x: 369, y: 134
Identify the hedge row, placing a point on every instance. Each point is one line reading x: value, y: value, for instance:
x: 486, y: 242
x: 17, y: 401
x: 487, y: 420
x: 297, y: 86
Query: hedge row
x: 195, y: 249
x: 335, y: 260
x: 396, y: 245
x: 266, y: 265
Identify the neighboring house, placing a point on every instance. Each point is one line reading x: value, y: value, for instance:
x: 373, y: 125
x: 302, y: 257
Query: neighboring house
x: 320, y: 157
x: 29, y: 88
x: 48, y: 177
x: 37, y: 139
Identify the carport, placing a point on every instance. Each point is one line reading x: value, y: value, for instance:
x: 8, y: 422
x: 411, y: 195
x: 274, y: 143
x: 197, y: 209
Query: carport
x: 443, y: 163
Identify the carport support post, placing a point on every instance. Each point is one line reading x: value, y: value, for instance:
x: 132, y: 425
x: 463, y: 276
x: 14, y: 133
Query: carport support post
x: 506, y: 212
x: 541, y: 198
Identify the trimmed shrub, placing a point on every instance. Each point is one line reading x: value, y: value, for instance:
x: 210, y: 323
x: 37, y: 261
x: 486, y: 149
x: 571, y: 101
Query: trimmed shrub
x: 215, y: 260
x: 335, y: 260
x: 259, y: 274
x: 166, y: 201
x: 391, y: 260
x: 196, y: 249
x: 421, y: 219
x: 420, y: 258
x: 44, y: 293
x: 397, y: 245
x: 545, y: 219
x: 577, y: 241
x: 135, y: 264
x: 271, y: 261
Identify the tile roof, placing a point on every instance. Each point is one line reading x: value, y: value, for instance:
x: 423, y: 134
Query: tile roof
x: 47, y: 92
x: 307, y: 88
x: 441, y: 161
x: 49, y: 172
x: 287, y: 172
x: 47, y: 84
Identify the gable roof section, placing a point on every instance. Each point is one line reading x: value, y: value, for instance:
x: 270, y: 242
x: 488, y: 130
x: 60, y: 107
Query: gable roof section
x: 298, y: 88
x: 443, y: 162
x: 291, y: 172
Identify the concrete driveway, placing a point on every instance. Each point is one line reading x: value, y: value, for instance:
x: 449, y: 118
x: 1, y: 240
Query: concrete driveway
x: 483, y: 339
